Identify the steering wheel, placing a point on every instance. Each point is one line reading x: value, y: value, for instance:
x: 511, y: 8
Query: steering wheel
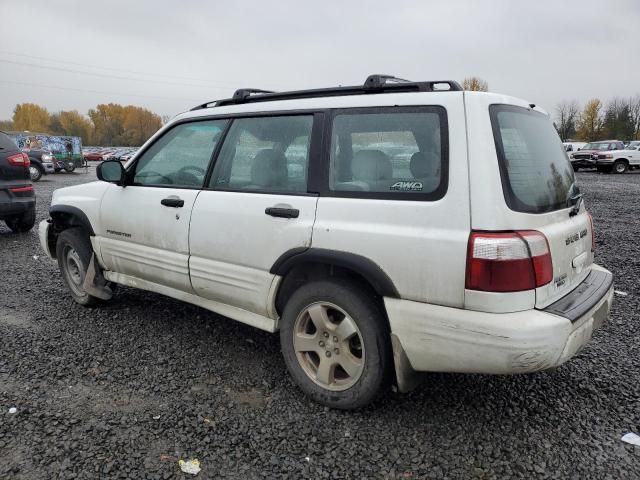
x: 151, y: 173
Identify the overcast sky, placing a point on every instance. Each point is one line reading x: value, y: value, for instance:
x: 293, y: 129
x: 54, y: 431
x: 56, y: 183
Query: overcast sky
x: 170, y: 55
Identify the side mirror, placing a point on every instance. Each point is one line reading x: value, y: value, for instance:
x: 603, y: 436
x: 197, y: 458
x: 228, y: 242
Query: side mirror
x: 111, y: 171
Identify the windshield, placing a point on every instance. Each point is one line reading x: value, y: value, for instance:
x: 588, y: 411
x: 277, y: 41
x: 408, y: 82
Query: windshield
x: 536, y: 174
x: 596, y: 146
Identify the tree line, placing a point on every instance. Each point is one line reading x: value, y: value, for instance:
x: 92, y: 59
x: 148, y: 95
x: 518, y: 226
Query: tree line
x: 107, y: 124
x: 619, y: 119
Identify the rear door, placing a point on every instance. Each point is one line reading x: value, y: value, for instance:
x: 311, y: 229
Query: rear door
x: 255, y: 208
x: 397, y: 192
x: 522, y: 180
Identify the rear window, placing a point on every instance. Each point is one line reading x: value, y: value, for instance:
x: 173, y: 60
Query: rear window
x: 389, y: 153
x: 7, y: 143
x: 536, y: 174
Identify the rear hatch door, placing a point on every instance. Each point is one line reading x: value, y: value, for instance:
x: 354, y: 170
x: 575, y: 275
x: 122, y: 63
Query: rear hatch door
x: 541, y: 194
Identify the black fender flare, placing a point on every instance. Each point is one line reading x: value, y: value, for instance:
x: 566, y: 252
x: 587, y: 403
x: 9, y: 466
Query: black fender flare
x: 38, y: 163
x: 367, y: 268
x: 80, y: 217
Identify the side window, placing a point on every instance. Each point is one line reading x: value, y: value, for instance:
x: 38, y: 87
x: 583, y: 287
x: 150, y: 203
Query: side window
x: 269, y: 154
x: 180, y: 158
x: 391, y: 152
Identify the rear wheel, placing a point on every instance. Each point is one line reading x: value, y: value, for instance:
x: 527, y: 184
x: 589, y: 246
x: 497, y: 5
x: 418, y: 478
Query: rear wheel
x: 336, y: 343
x: 35, y: 172
x: 22, y: 223
x: 620, y: 166
x: 69, y: 167
x: 73, y: 251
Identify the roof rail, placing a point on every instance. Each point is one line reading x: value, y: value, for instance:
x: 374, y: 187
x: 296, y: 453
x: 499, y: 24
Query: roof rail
x: 373, y: 84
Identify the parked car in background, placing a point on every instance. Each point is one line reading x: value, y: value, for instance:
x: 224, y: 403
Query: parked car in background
x: 41, y: 163
x: 373, y: 226
x: 619, y: 161
x: 98, y: 156
x: 17, y: 198
x: 573, y: 146
x: 588, y: 154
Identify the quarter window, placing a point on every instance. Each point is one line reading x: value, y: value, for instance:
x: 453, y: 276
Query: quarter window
x: 180, y: 158
x: 389, y: 153
x: 265, y: 154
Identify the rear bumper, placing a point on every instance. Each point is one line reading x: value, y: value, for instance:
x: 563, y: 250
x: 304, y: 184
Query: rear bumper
x: 444, y: 339
x: 16, y: 206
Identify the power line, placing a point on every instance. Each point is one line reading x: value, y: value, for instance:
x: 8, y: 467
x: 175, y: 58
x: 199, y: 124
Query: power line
x: 164, y: 97
x: 135, y: 72
x: 102, y: 67
x: 104, y: 75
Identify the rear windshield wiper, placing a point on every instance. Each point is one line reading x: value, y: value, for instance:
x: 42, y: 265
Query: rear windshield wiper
x: 575, y: 201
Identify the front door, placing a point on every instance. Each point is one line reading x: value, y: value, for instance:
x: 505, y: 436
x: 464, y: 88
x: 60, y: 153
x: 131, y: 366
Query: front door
x: 256, y: 208
x: 145, y: 225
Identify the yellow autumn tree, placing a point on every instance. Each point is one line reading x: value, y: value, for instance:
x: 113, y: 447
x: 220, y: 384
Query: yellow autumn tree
x: 32, y: 117
x: 589, y: 125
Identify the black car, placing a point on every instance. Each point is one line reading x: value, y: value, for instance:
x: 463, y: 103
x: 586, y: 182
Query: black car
x: 17, y: 198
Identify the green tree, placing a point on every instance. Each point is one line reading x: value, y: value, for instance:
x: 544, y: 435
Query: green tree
x: 618, y: 120
x: 32, y: 117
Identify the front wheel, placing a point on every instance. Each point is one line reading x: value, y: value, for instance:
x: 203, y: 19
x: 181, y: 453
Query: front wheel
x: 69, y: 167
x: 22, y: 223
x: 620, y: 166
x: 73, y: 251
x: 336, y: 343
x: 35, y: 173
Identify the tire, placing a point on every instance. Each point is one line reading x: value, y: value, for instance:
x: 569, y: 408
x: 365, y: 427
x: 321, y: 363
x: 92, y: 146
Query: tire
x: 575, y: 168
x: 69, y: 167
x: 73, y: 251
x: 343, y: 357
x: 620, y: 166
x: 22, y: 223
x: 35, y: 172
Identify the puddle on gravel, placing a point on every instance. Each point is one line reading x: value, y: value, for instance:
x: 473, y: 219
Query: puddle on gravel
x: 15, y: 318
x: 253, y: 398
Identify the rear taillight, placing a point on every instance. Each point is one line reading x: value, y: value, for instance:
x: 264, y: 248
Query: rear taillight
x: 508, y: 261
x: 19, y: 160
x: 21, y: 189
x: 593, y: 233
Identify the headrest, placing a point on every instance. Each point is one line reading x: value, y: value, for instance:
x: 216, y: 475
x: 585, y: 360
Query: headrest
x: 371, y: 165
x: 424, y: 164
x: 269, y: 169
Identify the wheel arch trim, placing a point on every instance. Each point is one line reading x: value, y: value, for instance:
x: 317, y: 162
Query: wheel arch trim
x: 365, y: 267
x: 81, y: 217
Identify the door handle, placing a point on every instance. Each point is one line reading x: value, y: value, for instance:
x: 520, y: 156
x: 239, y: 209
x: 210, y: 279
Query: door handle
x: 282, y: 212
x: 174, y: 202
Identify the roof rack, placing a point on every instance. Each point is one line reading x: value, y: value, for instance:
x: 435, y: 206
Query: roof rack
x: 373, y: 84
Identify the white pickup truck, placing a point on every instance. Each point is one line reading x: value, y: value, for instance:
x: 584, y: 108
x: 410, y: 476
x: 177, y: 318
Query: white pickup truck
x: 619, y: 161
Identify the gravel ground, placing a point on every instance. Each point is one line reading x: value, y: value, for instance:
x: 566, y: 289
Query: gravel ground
x: 126, y: 390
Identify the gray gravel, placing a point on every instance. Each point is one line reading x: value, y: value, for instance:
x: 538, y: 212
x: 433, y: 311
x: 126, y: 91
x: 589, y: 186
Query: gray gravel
x: 126, y: 390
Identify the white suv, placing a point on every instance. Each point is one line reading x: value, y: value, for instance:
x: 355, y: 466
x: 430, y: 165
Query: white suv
x: 382, y: 229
